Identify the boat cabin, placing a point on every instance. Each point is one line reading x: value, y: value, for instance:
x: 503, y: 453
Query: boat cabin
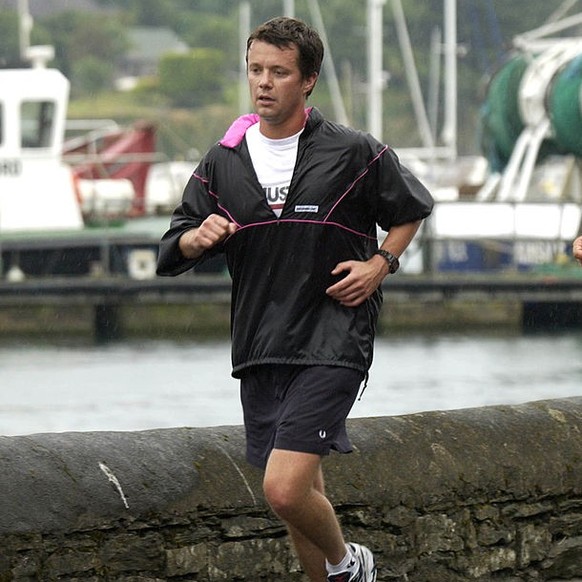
x: 36, y: 187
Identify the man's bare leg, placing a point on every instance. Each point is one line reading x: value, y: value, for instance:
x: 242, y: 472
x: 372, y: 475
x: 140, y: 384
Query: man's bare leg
x: 293, y: 486
x: 310, y: 556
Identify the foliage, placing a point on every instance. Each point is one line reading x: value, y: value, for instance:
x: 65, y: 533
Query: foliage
x: 91, y: 75
x: 216, y: 31
x: 193, y: 79
x: 78, y: 35
x: 9, y: 44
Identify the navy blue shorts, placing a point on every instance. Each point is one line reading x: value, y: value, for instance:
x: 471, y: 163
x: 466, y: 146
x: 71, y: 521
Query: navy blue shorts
x: 297, y: 408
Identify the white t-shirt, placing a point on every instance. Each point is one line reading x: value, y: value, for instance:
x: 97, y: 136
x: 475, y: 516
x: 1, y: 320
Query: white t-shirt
x: 274, y: 162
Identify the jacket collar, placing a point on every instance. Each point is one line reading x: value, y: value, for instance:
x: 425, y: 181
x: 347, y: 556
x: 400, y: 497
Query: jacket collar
x: 236, y: 132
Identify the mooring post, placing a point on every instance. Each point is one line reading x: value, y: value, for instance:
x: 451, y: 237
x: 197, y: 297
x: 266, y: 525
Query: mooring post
x: 107, y: 322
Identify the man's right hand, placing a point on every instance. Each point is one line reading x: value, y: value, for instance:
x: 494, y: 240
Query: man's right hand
x: 212, y: 231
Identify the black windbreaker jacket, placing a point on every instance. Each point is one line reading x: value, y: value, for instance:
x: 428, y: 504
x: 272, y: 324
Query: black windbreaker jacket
x: 344, y: 184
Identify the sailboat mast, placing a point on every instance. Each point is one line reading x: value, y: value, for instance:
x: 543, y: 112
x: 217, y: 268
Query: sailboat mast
x: 449, y: 132
x: 329, y: 66
x: 375, y: 70
x: 289, y: 8
x: 244, y: 24
x: 24, y: 29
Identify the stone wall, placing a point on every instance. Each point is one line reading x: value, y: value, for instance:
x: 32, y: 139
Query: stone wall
x: 478, y: 494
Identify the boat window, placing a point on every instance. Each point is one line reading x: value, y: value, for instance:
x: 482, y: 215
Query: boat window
x: 37, y: 123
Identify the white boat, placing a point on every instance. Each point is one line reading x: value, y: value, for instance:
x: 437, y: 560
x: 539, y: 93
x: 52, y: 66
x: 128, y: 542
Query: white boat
x: 53, y: 191
x: 36, y: 187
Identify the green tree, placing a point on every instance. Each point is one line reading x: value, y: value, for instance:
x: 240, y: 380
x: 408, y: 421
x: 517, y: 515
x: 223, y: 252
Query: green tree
x: 9, y: 41
x: 77, y: 35
x: 154, y: 12
x: 91, y: 75
x: 208, y: 30
x: 193, y: 79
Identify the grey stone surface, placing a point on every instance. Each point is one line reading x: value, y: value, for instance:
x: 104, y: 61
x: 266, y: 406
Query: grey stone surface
x: 478, y: 494
x: 64, y: 481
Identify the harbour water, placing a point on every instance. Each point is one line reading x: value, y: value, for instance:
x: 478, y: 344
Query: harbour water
x: 59, y: 385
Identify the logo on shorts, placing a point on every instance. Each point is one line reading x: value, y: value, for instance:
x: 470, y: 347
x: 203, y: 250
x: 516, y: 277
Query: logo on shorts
x: 322, y: 434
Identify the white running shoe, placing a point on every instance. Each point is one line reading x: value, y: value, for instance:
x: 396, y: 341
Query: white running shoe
x: 366, y: 570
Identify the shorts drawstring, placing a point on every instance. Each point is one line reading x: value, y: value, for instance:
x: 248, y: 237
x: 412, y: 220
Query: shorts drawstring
x: 366, y: 378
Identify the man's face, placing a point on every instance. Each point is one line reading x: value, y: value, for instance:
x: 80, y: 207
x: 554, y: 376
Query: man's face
x: 278, y: 90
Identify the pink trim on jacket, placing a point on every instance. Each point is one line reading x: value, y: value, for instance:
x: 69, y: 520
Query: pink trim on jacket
x: 236, y: 132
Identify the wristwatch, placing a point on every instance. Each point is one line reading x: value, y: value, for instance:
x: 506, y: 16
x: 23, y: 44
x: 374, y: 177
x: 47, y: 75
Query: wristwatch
x: 392, y: 261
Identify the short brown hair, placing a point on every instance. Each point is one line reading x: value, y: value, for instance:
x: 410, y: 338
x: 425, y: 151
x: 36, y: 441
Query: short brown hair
x: 284, y: 31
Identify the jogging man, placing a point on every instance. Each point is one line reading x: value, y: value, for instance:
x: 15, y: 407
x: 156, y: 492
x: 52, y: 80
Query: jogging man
x: 294, y: 200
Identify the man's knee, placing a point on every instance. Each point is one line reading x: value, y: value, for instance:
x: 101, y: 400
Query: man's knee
x: 289, y: 480
x: 283, y: 497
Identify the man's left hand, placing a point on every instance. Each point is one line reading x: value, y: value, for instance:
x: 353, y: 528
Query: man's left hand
x: 361, y: 280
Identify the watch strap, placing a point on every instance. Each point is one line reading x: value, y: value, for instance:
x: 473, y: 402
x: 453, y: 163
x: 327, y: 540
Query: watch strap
x: 392, y: 260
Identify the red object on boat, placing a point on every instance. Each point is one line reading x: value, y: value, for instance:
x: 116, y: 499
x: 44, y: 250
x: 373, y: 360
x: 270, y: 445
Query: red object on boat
x: 125, y: 153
